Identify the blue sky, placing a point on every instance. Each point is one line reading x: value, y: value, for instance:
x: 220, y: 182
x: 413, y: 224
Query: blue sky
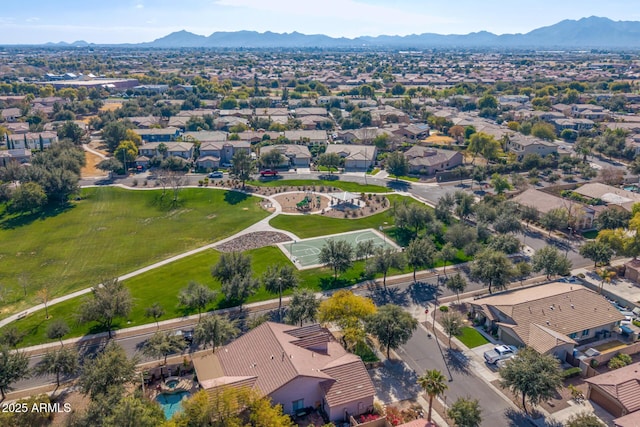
x: 118, y: 21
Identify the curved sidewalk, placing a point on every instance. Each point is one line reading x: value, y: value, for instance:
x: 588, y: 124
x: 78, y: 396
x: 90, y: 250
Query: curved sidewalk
x: 262, y: 225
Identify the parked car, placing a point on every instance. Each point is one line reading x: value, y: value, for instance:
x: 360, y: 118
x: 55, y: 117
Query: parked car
x: 499, y: 352
x: 268, y: 172
x: 216, y: 174
x: 186, y: 334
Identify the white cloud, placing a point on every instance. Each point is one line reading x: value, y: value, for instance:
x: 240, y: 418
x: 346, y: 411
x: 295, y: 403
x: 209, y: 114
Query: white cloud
x: 139, y: 6
x: 33, y: 19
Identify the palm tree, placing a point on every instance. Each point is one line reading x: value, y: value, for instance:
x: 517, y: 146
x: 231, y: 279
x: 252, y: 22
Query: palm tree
x: 434, y: 383
x: 607, y: 276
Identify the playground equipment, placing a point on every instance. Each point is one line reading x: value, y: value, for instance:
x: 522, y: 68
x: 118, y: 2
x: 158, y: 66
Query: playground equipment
x: 307, y: 203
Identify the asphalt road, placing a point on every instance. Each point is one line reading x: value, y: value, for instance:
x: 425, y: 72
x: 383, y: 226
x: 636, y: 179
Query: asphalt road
x: 422, y: 353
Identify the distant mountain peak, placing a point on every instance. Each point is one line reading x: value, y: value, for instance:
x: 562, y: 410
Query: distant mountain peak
x: 588, y: 32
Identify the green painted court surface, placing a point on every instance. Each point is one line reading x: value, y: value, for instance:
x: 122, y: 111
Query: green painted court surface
x: 304, y: 253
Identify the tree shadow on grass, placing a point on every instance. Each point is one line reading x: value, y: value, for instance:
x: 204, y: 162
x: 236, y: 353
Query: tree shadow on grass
x: 328, y: 283
x: 9, y: 221
x: 235, y: 197
x: 166, y: 203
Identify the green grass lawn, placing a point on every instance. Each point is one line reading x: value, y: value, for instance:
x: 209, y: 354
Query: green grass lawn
x: 163, y: 284
x: 306, y: 226
x: 406, y: 178
x: 471, y: 338
x: 109, y: 232
x: 343, y: 185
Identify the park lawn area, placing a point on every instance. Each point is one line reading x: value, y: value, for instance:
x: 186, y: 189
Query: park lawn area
x: 110, y: 232
x: 471, y: 338
x: 305, y: 226
x: 163, y: 284
x: 353, y: 187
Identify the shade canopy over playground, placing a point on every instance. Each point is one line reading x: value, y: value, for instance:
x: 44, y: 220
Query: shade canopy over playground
x: 345, y: 196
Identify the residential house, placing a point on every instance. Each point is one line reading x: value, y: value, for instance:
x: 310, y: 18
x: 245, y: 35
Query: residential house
x: 10, y: 114
x: 609, y: 195
x: 588, y: 111
x: 308, y: 137
x: 145, y: 122
x: 551, y: 318
x: 31, y: 140
x: 19, y: 155
x: 297, y: 156
x: 205, y: 136
x: 581, y: 215
x: 310, y: 111
x: 617, y: 391
x: 356, y: 157
x: 297, y: 367
x: 414, y: 131
x: 17, y: 127
x: 522, y: 145
x: 180, y: 149
x: 428, y: 161
x: 216, y: 153
x: 573, y: 124
x: 254, y: 137
x: 158, y: 135
x: 364, y: 135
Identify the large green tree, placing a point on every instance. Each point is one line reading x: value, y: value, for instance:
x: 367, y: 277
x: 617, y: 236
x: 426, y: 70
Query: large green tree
x: 555, y: 219
x: 491, y: 268
x: 397, y: 164
x: 162, y: 344
x: 383, y: 260
x: 452, y: 324
x: 535, y: 377
x: 434, y: 383
x: 242, y: 166
x: 599, y: 252
x: 133, y: 411
x: 465, y: 412
x: 391, y: 325
x: 28, y: 197
x: 338, y: 255
x: 14, y: 366
x: 330, y: 161
x: 109, y: 301
x: 240, y: 287
x: 420, y: 253
x: 303, y: 306
x: 550, y: 261
x: 456, y: 283
x: 215, y: 330
x: 231, y: 264
x: 196, y: 296
x: 279, y: 278
x: 57, y: 329
x: 271, y: 159
x: 109, y: 370
x: 59, y: 361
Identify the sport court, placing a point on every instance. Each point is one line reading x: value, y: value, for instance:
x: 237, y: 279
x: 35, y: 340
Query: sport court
x: 304, y: 253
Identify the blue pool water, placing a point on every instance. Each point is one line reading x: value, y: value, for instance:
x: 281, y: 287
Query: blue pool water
x: 171, y: 403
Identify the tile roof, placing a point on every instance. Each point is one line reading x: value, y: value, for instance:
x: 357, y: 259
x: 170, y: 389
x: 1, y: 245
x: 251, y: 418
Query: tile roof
x: 622, y: 384
x: 556, y: 308
x: 630, y: 420
x: 350, y: 381
x: 273, y: 354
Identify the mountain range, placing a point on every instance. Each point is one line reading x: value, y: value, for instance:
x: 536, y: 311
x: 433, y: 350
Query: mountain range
x: 592, y: 32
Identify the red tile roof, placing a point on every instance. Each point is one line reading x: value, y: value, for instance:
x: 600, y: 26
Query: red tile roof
x: 622, y: 384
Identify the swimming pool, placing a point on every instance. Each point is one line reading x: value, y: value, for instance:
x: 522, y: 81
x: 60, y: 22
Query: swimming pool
x: 171, y: 403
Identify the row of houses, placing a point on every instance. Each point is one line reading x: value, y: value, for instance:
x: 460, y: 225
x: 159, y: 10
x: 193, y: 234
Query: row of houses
x: 583, y: 215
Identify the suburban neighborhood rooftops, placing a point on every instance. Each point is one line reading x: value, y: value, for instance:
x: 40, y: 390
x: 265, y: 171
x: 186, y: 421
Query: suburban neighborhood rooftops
x: 622, y: 384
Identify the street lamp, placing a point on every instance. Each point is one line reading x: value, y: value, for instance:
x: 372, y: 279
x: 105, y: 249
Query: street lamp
x: 280, y: 300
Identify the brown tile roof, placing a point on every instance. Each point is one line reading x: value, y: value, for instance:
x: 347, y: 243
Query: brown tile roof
x: 349, y: 382
x: 557, y: 307
x: 274, y: 354
x: 631, y: 420
x: 544, y: 339
x: 622, y: 384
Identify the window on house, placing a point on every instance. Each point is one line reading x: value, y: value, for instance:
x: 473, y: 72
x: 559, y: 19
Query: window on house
x: 585, y: 332
x: 297, y: 405
x: 573, y: 335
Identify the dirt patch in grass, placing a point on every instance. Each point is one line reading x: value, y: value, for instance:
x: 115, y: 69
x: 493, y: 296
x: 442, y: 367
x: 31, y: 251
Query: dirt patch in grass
x: 90, y: 170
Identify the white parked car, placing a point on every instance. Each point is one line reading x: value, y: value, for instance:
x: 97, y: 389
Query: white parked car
x: 499, y: 352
